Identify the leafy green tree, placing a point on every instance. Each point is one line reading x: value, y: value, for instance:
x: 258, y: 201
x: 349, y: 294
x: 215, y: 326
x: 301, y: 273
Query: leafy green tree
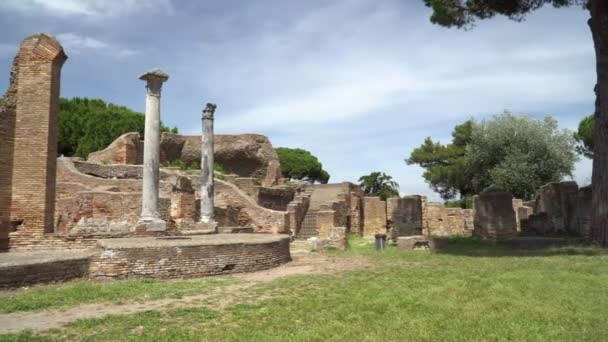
x: 584, y: 136
x: 463, y: 13
x: 379, y: 184
x: 444, y: 165
x: 519, y: 154
x: 89, y: 125
x: 297, y: 163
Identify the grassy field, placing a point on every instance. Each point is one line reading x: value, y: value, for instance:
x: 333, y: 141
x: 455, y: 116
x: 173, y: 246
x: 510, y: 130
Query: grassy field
x: 470, y: 291
x: 71, y: 294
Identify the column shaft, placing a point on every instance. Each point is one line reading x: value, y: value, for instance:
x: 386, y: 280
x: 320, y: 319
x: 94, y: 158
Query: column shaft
x: 150, y: 215
x: 207, y: 165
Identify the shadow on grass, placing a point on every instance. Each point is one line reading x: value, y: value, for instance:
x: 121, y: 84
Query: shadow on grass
x: 520, y: 246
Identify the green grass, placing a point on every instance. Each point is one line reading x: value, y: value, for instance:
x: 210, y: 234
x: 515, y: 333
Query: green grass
x: 470, y: 291
x: 66, y: 295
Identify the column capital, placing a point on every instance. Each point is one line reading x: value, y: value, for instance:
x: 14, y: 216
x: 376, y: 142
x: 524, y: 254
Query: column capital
x: 154, y: 81
x: 209, y: 111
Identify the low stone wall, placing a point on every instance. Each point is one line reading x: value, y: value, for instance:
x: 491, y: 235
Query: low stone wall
x: 24, y: 269
x: 189, y: 258
x: 437, y: 220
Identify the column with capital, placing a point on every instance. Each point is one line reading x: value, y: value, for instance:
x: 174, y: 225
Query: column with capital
x: 207, y: 216
x: 150, y: 216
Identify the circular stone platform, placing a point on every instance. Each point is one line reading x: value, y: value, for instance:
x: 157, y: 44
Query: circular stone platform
x: 188, y: 256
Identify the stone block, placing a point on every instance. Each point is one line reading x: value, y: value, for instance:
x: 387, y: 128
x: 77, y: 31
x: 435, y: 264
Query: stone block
x: 405, y: 214
x: 126, y: 149
x: 234, y: 230
x: 415, y: 242
x: 494, y: 216
x: 374, y: 216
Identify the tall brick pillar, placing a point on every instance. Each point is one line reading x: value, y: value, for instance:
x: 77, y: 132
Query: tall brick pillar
x: 34, y: 164
x: 7, y: 135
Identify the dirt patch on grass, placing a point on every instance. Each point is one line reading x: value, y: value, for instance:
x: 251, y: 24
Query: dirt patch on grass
x: 216, y: 298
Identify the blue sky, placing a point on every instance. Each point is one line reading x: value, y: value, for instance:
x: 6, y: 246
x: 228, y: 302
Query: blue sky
x: 359, y: 83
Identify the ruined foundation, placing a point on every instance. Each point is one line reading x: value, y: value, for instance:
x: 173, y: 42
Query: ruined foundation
x: 188, y: 257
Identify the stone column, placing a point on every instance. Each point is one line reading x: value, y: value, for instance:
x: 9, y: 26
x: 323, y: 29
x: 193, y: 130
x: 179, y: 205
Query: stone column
x: 207, y: 167
x: 150, y: 217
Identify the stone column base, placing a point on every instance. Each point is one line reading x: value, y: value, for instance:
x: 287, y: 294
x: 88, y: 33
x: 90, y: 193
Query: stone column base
x: 199, y: 228
x: 151, y: 225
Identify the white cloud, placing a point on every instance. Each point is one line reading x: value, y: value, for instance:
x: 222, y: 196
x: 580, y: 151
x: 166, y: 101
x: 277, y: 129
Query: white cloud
x: 352, y: 60
x: 359, y: 83
x: 79, y: 44
x: 88, y: 8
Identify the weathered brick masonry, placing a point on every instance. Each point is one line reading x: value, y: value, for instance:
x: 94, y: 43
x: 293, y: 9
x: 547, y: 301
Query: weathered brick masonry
x: 188, y: 258
x: 38, y: 66
x: 27, y: 271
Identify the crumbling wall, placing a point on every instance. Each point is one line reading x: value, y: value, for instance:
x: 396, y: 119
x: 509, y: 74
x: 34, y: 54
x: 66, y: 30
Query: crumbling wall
x: 405, y: 213
x: 437, y: 220
x: 584, y: 211
x: 276, y: 198
x: 126, y: 149
x: 262, y: 220
x: 517, y: 203
x: 356, y: 211
x: 34, y: 142
x: 374, y: 216
x: 297, y: 210
x: 245, y: 155
x: 331, y: 233
x: 556, y: 209
x: 494, y: 216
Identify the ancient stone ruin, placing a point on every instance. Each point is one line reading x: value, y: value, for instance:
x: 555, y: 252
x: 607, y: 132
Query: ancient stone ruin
x: 28, y: 143
x: 62, y: 218
x: 127, y: 212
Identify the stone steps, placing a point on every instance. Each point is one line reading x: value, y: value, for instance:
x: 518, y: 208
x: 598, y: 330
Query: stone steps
x: 309, y: 225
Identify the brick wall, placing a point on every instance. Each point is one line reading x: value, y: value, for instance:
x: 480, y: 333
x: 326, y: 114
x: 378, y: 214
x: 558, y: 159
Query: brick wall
x: 356, y: 213
x: 276, y: 198
x: 296, y: 210
x: 39, y: 62
x: 188, y: 261
x: 47, y: 272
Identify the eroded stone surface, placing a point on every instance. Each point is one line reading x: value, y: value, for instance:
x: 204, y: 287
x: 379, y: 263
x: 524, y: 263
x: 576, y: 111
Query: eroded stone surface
x: 494, y: 216
x: 416, y: 242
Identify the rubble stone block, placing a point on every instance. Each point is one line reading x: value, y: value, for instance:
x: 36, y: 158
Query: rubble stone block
x: 494, y: 216
x: 405, y: 213
x: 415, y: 242
x: 374, y: 216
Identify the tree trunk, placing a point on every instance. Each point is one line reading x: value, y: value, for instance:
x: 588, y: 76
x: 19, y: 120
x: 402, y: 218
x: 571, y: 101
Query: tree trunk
x: 599, y: 29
